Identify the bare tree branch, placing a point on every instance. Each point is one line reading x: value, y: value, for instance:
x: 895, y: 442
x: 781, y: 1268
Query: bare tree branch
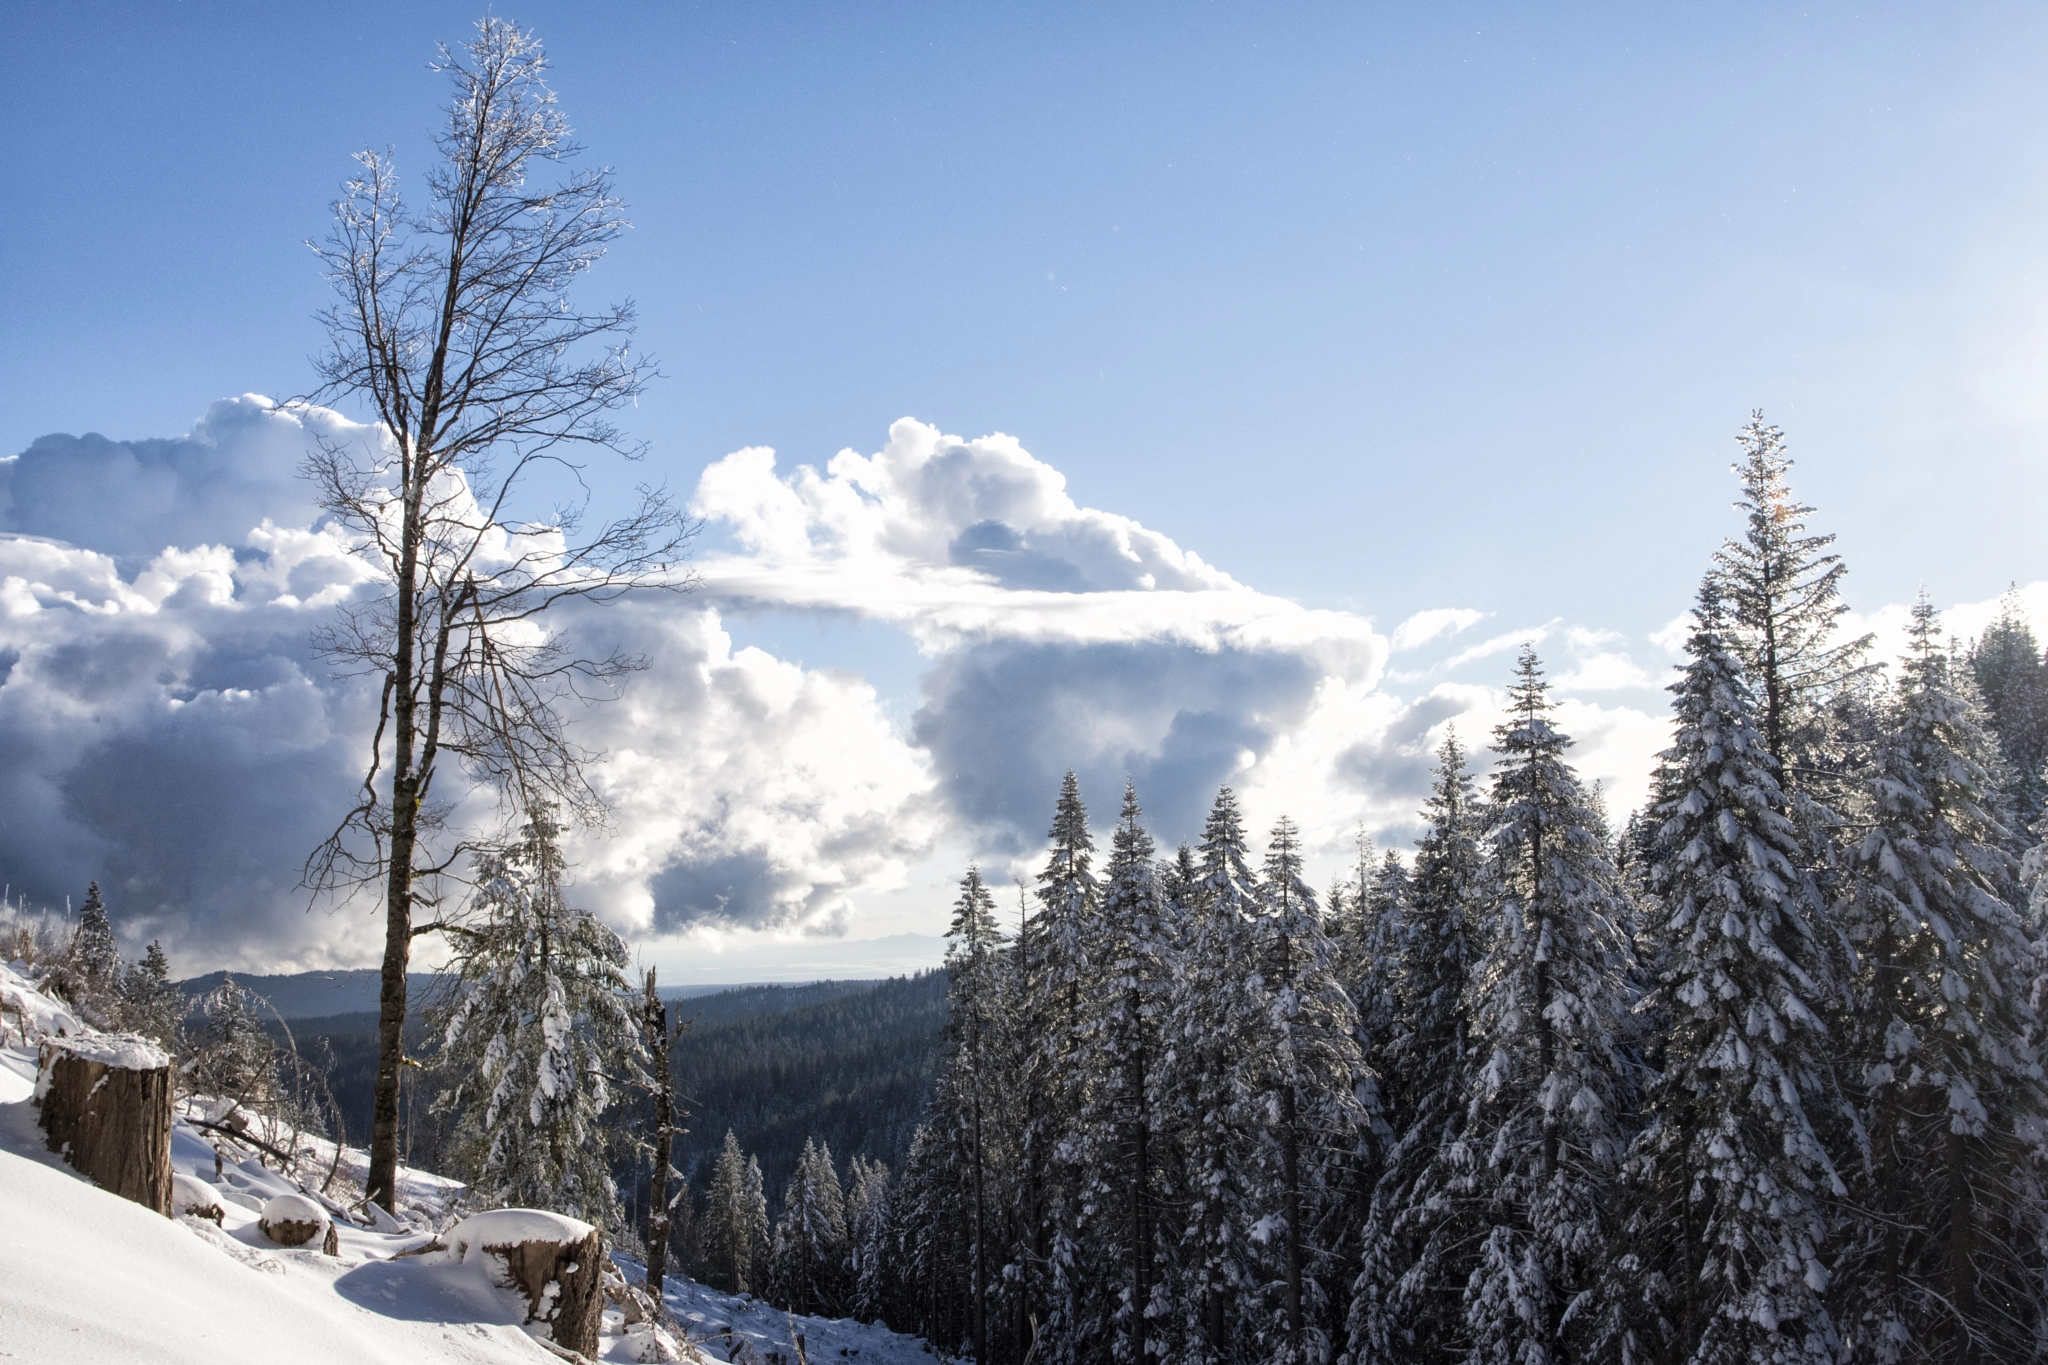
x: 454, y: 325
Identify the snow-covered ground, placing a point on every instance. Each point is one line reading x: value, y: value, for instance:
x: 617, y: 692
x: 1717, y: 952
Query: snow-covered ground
x: 92, y: 1279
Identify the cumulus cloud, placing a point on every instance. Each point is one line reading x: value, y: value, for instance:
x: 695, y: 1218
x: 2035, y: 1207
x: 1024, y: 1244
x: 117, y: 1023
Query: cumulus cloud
x: 1062, y: 636
x: 744, y: 791
x: 163, y: 726
x: 131, y: 499
x: 167, y: 731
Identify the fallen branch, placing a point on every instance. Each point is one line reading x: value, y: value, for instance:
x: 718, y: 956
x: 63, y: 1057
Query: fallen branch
x: 237, y: 1135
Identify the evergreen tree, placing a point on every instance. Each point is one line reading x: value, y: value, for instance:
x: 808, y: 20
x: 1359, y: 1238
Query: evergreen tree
x: 1118, y: 1123
x: 95, y: 954
x: 1304, y: 1071
x: 1783, y: 590
x: 1942, y: 1259
x: 1212, y: 1028
x: 973, y: 1033
x: 807, y: 1263
x: 150, y: 1002
x: 735, y: 1220
x: 235, y: 1058
x: 1722, y: 1250
x: 867, y: 1239
x: 1060, y: 969
x: 1407, y: 1301
x: 542, y: 1018
x: 2011, y: 677
x: 1545, y: 1131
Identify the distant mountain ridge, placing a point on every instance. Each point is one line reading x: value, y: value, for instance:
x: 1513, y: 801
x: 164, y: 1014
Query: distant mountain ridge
x: 324, y: 995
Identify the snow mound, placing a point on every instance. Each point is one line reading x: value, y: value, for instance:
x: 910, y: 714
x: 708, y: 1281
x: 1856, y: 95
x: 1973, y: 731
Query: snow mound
x: 509, y: 1227
x: 292, y: 1208
x: 190, y: 1194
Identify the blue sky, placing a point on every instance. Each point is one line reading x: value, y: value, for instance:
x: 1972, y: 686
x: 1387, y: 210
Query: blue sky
x: 1375, y: 309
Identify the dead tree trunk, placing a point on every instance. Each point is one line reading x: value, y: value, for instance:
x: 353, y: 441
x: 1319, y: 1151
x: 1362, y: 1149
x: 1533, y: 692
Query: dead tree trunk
x: 106, y: 1105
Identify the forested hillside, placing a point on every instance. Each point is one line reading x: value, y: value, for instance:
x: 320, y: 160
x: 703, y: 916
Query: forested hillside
x: 853, y: 1070
x: 850, y: 1062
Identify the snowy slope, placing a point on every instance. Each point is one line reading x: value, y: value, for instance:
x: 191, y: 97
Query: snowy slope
x: 91, y: 1278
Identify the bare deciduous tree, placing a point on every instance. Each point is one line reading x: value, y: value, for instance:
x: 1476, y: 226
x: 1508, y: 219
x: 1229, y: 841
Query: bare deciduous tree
x: 454, y: 325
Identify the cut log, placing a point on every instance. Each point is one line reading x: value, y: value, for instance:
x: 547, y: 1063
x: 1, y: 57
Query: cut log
x: 105, y: 1102
x: 555, y: 1262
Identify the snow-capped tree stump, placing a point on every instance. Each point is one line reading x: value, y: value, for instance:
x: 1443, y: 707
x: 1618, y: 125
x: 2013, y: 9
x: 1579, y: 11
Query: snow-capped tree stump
x: 554, y: 1261
x: 292, y: 1220
x: 106, y: 1106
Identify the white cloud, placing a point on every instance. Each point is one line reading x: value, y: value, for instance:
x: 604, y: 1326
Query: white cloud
x: 1438, y: 622
x: 166, y: 731
x: 164, y: 728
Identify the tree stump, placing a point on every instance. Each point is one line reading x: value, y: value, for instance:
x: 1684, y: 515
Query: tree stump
x: 191, y: 1195
x: 292, y: 1220
x: 555, y: 1262
x: 106, y: 1106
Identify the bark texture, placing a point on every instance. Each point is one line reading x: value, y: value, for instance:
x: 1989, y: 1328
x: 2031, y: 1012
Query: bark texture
x: 112, y: 1123
x: 573, y: 1310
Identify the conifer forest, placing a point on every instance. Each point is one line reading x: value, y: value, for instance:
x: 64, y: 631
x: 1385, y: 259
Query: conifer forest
x: 423, y: 693
x: 1752, y: 1075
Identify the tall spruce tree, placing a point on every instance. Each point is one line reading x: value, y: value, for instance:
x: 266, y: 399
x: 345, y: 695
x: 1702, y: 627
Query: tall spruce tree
x: 867, y: 1238
x: 1942, y: 1256
x: 1304, y: 1070
x: 1118, y: 1121
x: 1546, y: 1127
x: 1783, y: 590
x: 807, y: 1260
x: 974, y: 1031
x: 1728, y: 1184
x: 1407, y: 1302
x: 95, y: 954
x: 1212, y: 1030
x: 735, y: 1220
x: 1061, y: 982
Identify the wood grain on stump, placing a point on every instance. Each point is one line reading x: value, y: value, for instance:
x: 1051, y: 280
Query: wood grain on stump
x: 106, y: 1106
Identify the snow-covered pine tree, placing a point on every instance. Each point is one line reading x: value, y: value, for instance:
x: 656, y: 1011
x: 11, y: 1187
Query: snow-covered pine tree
x: 932, y: 1281
x: 1212, y: 1028
x: 1061, y: 985
x: 1546, y: 1119
x: 1369, y: 938
x: 974, y: 1036
x: 1414, y: 1257
x: 759, y: 1237
x: 1942, y: 1257
x: 2012, y: 680
x: 807, y: 1264
x: 96, y: 955
x: 735, y: 1220
x: 542, y: 1018
x: 1728, y: 1185
x: 150, y: 1002
x: 1303, y: 1075
x: 1782, y: 588
x: 1176, y: 1327
x: 234, y: 1058
x: 867, y: 1239
x: 1117, y: 1127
